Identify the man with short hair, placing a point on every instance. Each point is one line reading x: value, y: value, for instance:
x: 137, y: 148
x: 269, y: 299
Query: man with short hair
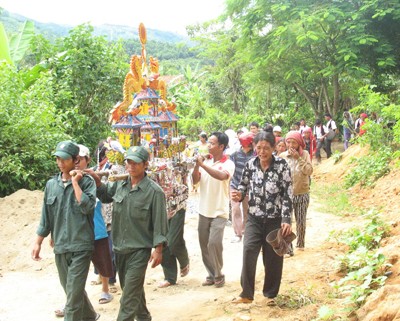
x: 139, y: 224
x: 254, y: 127
x: 213, y: 174
x: 67, y: 215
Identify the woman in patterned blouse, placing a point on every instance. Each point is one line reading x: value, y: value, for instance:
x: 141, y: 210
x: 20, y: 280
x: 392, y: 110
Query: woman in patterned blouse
x: 267, y: 180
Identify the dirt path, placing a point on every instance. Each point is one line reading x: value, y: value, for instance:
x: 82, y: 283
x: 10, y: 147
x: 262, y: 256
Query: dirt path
x: 31, y: 290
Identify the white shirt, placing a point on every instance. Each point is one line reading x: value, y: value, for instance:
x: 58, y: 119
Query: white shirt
x: 303, y: 128
x: 214, y: 194
x: 318, y: 131
x: 357, y: 123
x: 331, y: 124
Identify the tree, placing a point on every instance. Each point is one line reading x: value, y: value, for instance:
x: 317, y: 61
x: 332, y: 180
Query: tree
x: 88, y: 77
x: 29, y: 131
x: 313, y: 46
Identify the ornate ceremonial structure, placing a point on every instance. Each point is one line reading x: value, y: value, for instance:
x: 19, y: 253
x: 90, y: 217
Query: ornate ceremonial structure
x: 146, y: 117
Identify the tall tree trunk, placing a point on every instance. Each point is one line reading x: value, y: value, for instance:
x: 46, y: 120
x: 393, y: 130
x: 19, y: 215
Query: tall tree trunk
x: 307, y: 96
x: 326, y: 96
x: 336, y: 94
x: 320, y: 103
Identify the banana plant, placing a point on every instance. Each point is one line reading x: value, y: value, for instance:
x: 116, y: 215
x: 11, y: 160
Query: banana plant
x: 4, y: 47
x: 13, y: 50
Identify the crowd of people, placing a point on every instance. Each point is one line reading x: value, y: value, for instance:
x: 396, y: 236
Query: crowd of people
x: 258, y: 179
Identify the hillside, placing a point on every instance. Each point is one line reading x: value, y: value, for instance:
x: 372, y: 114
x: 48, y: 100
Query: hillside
x: 12, y: 23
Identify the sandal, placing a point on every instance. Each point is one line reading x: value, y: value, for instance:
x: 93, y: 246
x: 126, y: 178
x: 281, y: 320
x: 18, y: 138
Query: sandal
x: 271, y: 302
x: 60, y: 312
x: 219, y: 282
x: 208, y: 282
x: 105, y: 298
x: 185, y: 271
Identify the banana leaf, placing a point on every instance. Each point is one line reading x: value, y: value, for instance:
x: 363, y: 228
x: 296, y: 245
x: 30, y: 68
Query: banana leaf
x: 19, y: 44
x: 4, y: 48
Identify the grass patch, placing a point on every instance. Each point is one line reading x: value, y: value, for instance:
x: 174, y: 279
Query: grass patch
x: 295, y: 299
x: 333, y: 199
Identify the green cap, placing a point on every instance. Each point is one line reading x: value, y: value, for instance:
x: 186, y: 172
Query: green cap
x: 66, y: 149
x: 138, y: 154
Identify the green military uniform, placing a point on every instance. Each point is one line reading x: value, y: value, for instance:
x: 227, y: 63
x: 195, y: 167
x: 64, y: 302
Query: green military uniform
x: 139, y: 224
x: 71, y: 226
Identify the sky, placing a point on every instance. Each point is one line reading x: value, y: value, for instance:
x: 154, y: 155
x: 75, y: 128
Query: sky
x: 164, y: 15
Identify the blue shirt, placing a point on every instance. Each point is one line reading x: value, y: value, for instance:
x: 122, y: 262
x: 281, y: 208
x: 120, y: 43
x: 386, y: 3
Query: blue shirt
x: 100, y: 230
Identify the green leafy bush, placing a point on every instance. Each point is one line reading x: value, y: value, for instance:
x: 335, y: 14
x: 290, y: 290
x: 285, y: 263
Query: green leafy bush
x: 29, y: 129
x: 365, y: 268
x: 381, y: 131
x: 369, y: 168
x: 367, y: 237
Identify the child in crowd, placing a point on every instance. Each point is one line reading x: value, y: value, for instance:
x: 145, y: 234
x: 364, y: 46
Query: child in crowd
x: 280, y: 147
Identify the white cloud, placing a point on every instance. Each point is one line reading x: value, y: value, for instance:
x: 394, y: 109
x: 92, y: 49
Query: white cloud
x: 165, y: 15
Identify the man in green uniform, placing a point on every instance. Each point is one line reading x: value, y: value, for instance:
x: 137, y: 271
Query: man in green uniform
x: 67, y: 214
x: 139, y: 224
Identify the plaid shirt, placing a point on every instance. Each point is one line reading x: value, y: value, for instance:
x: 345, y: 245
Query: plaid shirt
x: 270, y: 192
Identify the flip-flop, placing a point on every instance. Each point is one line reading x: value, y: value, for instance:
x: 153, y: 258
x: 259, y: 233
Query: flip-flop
x: 105, y: 298
x: 59, y: 313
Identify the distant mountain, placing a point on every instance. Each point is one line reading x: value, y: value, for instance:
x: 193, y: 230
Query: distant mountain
x: 12, y: 23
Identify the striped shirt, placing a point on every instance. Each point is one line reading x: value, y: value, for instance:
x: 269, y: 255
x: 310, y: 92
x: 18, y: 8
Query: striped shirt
x: 239, y: 158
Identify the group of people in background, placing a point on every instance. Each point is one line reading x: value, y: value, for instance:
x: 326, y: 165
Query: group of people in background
x: 259, y: 178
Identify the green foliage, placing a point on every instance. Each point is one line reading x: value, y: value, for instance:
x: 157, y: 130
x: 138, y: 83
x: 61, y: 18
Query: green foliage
x: 367, y: 238
x: 4, y: 45
x: 337, y: 156
x: 392, y: 114
x: 297, y: 45
x: 19, y: 43
x: 325, y: 313
x: 88, y: 75
x: 29, y: 131
x: 13, y: 48
x: 369, y: 168
x: 365, y: 268
x: 378, y: 133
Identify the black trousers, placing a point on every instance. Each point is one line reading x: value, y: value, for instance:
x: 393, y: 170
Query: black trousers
x: 176, y: 250
x: 328, y: 148
x: 257, y: 230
